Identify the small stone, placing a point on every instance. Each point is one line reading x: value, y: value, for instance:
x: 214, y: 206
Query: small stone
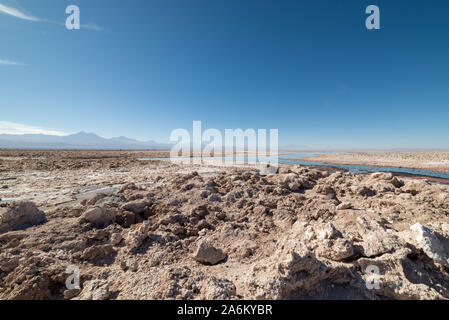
x: 366, y: 192
x: 132, y: 265
x: 344, y: 206
x: 136, y: 206
x: 94, y: 199
x: 204, y: 194
x: 208, y: 254
x: 382, y: 175
x: 397, y: 182
x: 445, y: 227
x: 95, y: 290
x: 128, y: 186
x: 328, y: 232
x: 236, y: 178
x: 97, y: 252
x: 71, y: 293
x: 99, y: 216
x: 325, y: 190
x: 129, y: 218
x: 337, y: 250
x: 290, y: 181
x: 215, y: 198
x: 393, y: 217
x: 116, y: 238
x: 137, y: 236
x: 99, y: 235
x: 259, y: 210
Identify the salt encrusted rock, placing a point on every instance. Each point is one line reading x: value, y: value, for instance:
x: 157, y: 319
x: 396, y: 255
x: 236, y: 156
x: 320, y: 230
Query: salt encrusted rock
x: 324, y: 189
x: 328, y: 231
x: 290, y: 181
x: 20, y: 215
x: 215, y: 198
x: 344, y: 206
x: 206, y: 253
x: 382, y: 175
x: 8, y: 262
x: 336, y: 250
x: 259, y: 210
x: 136, y: 206
x: 445, y: 227
x: 218, y: 288
x: 132, y: 265
x: 97, y: 252
x: 71, y: 293
x: 95, y: 290
x: 376, y: 239
x: 414, y: 187
x: 137, y: 236
x: 365, y: 191
x: 428, y: 241
x: 99, y: 216
x: 116, y: 238
x: 266, y: 169
x: 397, y: 182
x: 205, y: 193
x: 93, y: 199
x: 128, y: 186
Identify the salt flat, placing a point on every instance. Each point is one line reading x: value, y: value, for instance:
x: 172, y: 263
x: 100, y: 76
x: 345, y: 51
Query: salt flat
x: 430, y: 160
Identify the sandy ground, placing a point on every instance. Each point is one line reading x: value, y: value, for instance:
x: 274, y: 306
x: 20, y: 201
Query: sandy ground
x: 157, y: 230
x: 431, y: 160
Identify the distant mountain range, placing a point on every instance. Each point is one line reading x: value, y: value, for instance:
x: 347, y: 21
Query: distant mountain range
x: 81, y: 140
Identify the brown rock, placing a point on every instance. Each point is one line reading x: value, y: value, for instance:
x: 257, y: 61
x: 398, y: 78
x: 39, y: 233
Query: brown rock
x: 20, y: 215
x: 206, y: 253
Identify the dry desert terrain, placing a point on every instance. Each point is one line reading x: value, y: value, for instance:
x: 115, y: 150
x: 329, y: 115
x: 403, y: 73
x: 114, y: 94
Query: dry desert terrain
x: 158, y: 230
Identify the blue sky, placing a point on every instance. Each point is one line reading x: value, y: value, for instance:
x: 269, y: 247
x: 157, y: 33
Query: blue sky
x: 308, y: 68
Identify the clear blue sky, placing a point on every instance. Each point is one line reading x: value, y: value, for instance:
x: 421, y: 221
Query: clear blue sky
x: 308, y: 68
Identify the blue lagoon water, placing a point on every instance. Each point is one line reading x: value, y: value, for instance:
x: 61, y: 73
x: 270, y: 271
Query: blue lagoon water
x: 295, y: 158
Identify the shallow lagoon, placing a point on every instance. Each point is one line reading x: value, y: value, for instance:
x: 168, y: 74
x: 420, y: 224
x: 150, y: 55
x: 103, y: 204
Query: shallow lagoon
x: 295, y: 158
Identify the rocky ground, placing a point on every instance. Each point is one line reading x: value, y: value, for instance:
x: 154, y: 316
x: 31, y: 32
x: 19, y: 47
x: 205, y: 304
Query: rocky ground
x: 430, y: 160
x: 39, y: 160
x: 157, y: 230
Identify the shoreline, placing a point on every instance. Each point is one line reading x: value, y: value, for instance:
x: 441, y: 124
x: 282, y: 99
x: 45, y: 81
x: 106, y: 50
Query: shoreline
x: 395, y: 173
x: 381, y: 160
